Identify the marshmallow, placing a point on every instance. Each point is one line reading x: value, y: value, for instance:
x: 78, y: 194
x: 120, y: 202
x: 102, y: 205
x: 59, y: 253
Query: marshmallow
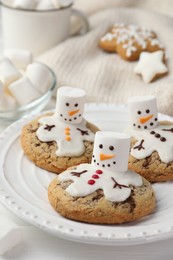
x: 8, y: 72
x: 7, y: 102
x: 70, y: 105
x: 24, y: 4
x: 64, y: 3
x: 10, y: 235
x: 20, y: 58
x: 111, y: 151
x: 39, y: 76
x: 45, y: 5
x: 23, y: 91
x: 143, y: 112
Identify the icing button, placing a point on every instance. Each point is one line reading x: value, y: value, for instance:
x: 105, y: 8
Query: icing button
x: 91, y: 182
x: 99, y: 172
x: 95, y: 176
x: 157, y: 135
x: 163, y: 139
x: 152, y: 132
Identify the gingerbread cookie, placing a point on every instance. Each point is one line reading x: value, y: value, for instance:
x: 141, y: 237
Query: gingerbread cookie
x: 64, y: 139
x: 129, y: 41
x: 152, y: 142
x: 151, y: 66
x: 103, y: 192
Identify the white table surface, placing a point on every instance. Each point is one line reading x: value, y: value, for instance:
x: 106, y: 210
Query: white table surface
x: 36, y: 244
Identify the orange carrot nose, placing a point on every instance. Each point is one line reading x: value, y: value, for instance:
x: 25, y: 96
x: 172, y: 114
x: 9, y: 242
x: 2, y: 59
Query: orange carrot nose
x: 143, y: 120
x: 106, y: 156
x: 73, y: 112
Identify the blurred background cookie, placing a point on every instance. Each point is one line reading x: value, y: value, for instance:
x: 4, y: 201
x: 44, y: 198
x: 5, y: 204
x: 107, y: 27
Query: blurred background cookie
x: 129, y: 41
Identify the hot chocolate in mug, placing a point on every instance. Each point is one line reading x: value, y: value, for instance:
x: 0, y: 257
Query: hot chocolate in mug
x: 37, y: 30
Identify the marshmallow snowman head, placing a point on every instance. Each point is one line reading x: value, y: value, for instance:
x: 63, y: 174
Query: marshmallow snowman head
x: 111, y: 151
x: 70, y: 105
x: 143, y: 112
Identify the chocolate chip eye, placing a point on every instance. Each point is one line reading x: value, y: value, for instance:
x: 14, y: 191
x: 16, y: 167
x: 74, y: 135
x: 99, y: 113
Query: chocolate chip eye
x: 76, y: 105
x: 147, y: 111
x: 100, y: 146
x: 139, y: 112
x: 67, y: 104
x: 111, y: 148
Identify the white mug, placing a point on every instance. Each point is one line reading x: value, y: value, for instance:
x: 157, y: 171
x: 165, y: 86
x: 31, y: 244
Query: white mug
x: 36, y: 30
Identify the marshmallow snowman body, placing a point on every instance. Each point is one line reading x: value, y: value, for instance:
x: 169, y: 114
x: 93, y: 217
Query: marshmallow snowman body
x: 109, y: 149
x: 145, y: 128
x: 143, y: 112
x: 87, y: 178
x: 67, y: 126
x: 70, y: 105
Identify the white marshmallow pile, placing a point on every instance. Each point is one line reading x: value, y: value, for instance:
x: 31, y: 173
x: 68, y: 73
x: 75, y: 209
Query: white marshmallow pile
x: 10, y: 235
x: 41, y: 5
x: 21, y: 80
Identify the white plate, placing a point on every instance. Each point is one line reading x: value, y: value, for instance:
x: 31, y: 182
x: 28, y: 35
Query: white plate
x: 23, y: 190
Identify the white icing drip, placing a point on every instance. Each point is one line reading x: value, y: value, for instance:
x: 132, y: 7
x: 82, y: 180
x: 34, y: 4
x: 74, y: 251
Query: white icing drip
x: 133, y: 34
x: 74, y: 147
x: 112, y: 192
x: 152, y: 143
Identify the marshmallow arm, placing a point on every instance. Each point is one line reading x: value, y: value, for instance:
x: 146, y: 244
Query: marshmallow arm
x: 142, y: 150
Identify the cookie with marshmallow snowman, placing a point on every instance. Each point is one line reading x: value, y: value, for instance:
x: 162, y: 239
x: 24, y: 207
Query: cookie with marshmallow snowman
x: 63, y: 139
x: 151, y: 153
x: 105, y: 191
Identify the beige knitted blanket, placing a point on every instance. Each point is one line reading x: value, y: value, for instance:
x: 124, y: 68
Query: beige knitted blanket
x: 106, y: 77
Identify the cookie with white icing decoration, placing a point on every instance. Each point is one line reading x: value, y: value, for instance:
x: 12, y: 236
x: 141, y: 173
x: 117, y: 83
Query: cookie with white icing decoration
x: 62, y: 139
x: 151, y: 66
x: 103, y: 192
x: 129, y: 41
x: 151, y: 152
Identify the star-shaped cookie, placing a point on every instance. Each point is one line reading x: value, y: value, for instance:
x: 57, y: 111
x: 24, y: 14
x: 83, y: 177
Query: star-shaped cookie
x: 151, y: 66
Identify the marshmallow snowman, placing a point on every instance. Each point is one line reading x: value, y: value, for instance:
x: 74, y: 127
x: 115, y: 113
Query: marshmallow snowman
x: 70, y: 105
x: 112, y: 177
x: 67, y: 126
x: 143, y: 112
x: 109, y: 149
x: 151, y: 136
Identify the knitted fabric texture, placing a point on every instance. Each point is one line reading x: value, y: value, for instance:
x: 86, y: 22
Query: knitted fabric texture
x: 79, y: 62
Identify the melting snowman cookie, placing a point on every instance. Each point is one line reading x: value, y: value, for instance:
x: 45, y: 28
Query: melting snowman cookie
x: 67, y: 127
x: 63, y: 139
x: 152, y: 144
x: 103, y: 191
